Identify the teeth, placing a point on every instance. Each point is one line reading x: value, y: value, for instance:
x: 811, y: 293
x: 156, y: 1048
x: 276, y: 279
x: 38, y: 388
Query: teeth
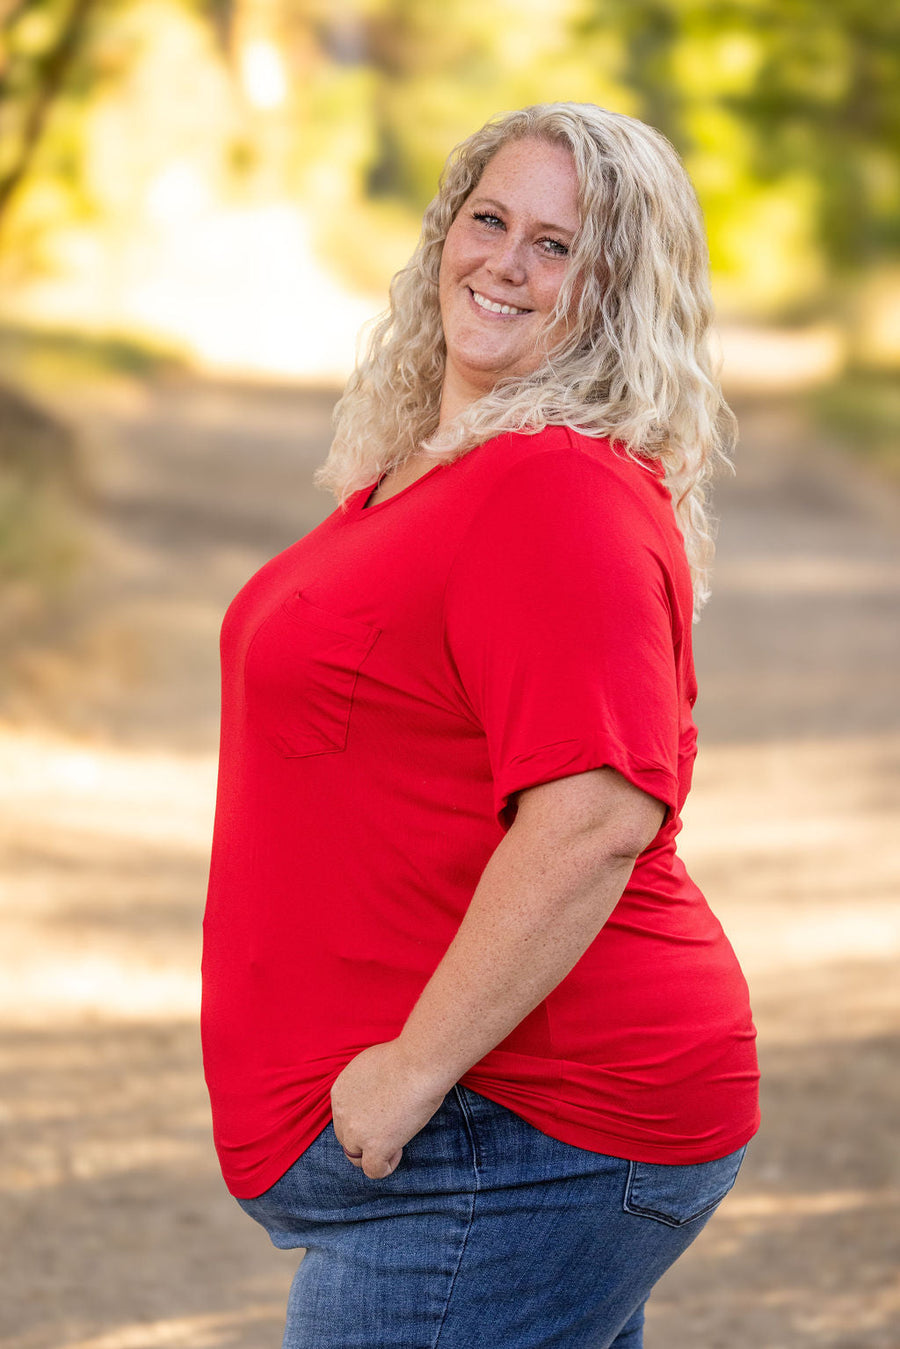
x: 496, y: 308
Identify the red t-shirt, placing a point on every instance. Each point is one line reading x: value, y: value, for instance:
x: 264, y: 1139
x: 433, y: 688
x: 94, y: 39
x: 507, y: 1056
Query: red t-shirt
x: 519, y: 615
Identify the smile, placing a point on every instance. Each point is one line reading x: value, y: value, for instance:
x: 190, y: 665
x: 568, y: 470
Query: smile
x: 493, y: 307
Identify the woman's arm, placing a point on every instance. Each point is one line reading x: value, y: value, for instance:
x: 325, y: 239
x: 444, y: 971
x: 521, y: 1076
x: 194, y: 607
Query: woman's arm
x: 547, y: 890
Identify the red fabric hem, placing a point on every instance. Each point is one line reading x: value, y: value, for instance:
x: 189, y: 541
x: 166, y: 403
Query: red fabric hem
x: 681, y: 1152
x: 564, y: 758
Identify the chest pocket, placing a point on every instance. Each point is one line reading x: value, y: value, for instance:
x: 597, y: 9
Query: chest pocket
x: 300, y: 677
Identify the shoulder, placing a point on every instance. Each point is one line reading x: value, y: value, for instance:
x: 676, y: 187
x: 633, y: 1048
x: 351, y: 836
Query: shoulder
x: 563, y: 524
x: 561, y: 473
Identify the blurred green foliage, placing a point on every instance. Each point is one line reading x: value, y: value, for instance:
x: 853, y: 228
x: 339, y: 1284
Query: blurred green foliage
x: 45, y: 494
x: 787, y: 111
x: 38, y: 359
x: 41, y: 491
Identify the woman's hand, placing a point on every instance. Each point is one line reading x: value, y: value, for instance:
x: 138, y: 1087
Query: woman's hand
x: 379, y: 1104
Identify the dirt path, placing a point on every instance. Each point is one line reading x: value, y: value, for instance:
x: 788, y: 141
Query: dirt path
x: 116, y: 1230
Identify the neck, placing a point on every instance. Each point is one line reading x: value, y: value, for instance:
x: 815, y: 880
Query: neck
x: 456, y: 395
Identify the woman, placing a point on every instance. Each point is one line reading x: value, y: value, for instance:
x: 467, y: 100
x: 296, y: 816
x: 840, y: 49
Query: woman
x: 472, y: 1036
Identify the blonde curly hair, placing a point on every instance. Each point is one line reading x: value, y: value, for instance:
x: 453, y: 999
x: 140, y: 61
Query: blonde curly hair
x: 635, y: 364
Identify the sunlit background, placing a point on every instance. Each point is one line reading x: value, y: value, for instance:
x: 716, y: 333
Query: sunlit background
x: 201, y: 203
x: 239, y: 180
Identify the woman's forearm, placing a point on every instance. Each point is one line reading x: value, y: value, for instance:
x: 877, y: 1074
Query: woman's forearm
x: 539, y: 904
x: 544, y: 895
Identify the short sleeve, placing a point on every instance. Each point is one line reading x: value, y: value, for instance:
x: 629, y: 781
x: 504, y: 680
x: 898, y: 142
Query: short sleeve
x: 559, y: 626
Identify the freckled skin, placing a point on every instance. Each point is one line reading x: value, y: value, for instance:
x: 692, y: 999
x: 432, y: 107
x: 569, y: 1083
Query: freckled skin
x: 509, y: 244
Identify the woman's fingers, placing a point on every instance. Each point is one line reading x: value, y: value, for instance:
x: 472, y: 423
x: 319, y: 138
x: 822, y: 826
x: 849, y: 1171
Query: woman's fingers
x: 375, y: 1167
x: 378, y: 1168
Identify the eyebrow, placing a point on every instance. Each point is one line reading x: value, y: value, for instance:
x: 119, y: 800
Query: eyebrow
x: 541, y: 224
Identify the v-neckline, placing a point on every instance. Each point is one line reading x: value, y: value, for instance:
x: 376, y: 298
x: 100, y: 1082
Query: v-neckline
x: 366, y: 492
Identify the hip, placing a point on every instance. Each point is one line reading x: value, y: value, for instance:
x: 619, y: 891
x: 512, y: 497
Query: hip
x: 487, y: 1231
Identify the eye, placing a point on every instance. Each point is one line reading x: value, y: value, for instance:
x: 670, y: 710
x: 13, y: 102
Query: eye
x: 487, y: 218
x: 554, y: 247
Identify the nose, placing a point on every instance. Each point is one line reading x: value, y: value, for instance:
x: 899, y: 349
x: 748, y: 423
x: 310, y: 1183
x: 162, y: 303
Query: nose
x: 507, y: 261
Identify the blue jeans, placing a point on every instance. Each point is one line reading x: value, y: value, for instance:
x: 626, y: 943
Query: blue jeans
x: 489, y: 1233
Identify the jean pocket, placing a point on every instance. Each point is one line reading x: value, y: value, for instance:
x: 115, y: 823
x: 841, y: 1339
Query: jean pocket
x: 300, y: 677
x: 676, y: 1195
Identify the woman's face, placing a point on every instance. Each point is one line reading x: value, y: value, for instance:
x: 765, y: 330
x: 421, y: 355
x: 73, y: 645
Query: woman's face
x: 505, y: 257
